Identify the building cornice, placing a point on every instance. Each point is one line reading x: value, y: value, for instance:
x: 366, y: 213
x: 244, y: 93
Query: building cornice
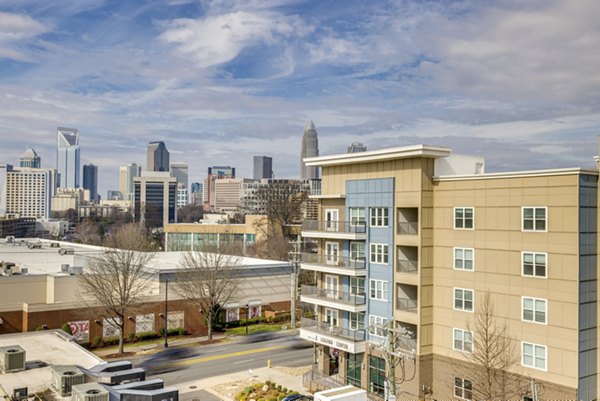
x: 378, y: 155
x: 516, y: 174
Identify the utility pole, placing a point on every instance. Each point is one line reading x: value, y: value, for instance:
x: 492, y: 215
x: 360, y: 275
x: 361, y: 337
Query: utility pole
x: 295, y: 257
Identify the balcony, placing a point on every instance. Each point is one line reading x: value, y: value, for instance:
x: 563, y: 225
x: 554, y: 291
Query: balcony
x: 333, y: 299
x: 352, y: 341
x: 334, y: 264
x: 408, y: 221
x: 334, y: 229
x: 407, y: 336
x: 407, y: 259
x: 407, y: 305
x: 407, y: 266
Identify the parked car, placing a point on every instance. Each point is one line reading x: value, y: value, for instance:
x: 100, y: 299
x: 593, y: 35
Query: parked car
x: 298, y: 397
x: 298, y: 343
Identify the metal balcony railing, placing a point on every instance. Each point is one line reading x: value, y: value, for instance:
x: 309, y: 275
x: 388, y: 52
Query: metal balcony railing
x: 333, y: 296
x: 407, y: 266
x: 406, y: 305
x: 334, y: 331
x: 334, y: 261
x: 408, y: 227
x: 356, y: 227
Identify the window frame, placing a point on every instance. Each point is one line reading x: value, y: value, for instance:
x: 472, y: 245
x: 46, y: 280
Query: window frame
x: 353, y: 252
x: 534, y: 254
x: 355, y: 220
x: 379, y: 213
x: 376, y: 286
x: 545, y: 230
x: 462, y: 340
x: 534, y: 310
x: 384, y: 254
x: 462, y: 388
x: 463, y: 259
x: 377, y: 326
x: 357, y: 321
x: 463, y: 218
x: 535, y: 346
x: 463, y: 299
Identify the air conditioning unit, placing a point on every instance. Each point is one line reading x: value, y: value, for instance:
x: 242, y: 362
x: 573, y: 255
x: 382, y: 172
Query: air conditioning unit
x: 89, y: 392
x: 12, y: 358
x: 24, y: 270
x: 64, y: 268
x: 64, y: 377
x: 75, y: 270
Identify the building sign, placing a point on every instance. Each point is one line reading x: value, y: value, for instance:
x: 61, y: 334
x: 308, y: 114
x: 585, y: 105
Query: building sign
x: 109, y: 328
x: 232, y: 314
x: 80, y: 329
x: 337, y: 343
x: 144, y: 323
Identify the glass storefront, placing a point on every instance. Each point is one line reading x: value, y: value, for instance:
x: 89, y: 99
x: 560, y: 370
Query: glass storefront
x: 353, y: 369
x: 377, y: 375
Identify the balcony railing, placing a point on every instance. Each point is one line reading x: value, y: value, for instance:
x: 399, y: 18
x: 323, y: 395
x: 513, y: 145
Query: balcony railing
x: 408, y: 227
x: 407, y: 266
x: 334, y: 261
x: 333, y: 296
x: 406, y: 305
x: 334, y: 331
x: 352, y: 227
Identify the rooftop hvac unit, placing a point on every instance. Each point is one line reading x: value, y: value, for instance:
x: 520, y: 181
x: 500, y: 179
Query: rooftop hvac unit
x: 24, y: 270
x: 75, y: 270
x: 64, y: 268
x: 89, y: 392
x: 12, y: 358
x: 64, y: 377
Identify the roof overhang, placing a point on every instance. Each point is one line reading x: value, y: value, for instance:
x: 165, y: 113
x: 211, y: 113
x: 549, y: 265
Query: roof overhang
x: 378, y: 155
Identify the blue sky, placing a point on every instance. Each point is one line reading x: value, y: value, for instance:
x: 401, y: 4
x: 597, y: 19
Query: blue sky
x: 220, y: 81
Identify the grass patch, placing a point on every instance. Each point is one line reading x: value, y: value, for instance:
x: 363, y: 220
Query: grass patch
x: 255, y: 328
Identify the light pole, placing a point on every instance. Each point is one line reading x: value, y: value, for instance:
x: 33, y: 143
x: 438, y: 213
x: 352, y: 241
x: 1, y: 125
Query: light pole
x: 166, y: 310
x: 247, y: 314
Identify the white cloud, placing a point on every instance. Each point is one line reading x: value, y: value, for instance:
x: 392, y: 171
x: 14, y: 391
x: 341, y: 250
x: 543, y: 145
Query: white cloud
x: 16, y: 30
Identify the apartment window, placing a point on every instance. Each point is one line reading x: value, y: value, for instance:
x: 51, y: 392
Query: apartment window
x: 377, y: 375
x: 534, y: 310
x: 353, y: 369
x: 534, y: 264
x: 356, y: 321
x: 463, y: 258
x: 378, y: 325
x: 378, y: 290
x: 379, y: 253
x: 357, y: 285
x: 463, y: 340
x: 534, y: 218
x: 357, y: 216
x: 463, y: 299
x: 357, y: 251
x: 463, y: 218
x: 463, y: 388
x: 534, y: 356
x: 379, y: 217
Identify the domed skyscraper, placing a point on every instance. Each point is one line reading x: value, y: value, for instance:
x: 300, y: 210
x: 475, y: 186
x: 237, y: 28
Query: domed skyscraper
x: 310, y: 148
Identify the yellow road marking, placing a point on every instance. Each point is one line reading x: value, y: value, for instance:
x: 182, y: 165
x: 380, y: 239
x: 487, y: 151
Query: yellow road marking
x: 221, y: 356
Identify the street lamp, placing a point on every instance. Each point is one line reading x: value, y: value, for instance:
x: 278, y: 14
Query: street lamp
x: 166, y: 310
x: 247, y: 314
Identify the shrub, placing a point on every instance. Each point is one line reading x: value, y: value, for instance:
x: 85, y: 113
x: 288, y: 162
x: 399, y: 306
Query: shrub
x: 280, y: 397
x: 284, y: 317
x: 248, y: 390
x: 66, y: 328
x: 110, y: 340
x: 146, y: 335
x: 272, y: 399
x: 268, y: 383
x: 86, y: 345
x: 293, y: 393
x: 285, y: 390
x: 279, y: 387
x: 131, y: 337
x: 97, y: 341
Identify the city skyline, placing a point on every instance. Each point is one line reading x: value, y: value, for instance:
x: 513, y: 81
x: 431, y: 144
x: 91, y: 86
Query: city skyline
x: 517, y: 86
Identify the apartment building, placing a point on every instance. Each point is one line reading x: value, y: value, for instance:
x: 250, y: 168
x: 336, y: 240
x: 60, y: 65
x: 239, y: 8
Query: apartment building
x: 26, y: 191
x: 416, y: 239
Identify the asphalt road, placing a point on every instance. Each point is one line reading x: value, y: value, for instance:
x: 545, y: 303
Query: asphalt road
x: 218, y: 359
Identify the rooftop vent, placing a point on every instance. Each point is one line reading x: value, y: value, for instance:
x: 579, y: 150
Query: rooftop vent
x: 12, y: 358
x: 64, y: 377
x: 89, y: 392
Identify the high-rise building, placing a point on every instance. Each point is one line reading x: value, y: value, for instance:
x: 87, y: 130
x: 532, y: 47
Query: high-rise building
x: 155, y: 198
x: 30, y: 159
x: 27, y: 191
x: 126, y: 175
x: 263, y: 167
x: 157, y: 157
x: 67, y: 157
x: 90, y: 181
x: 197, y: 194
x: 112, y: 194
x: 180, y: 171
x: 214, y: 173
x: 310, y: 148
x: 227, y: 194
x: 356, y: 147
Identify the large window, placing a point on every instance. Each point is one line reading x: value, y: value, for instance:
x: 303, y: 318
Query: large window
x: 379, y: 253
x: 463, y: 258
x: 534, y: 310
x: 463, y: 388
x: 357, y: 251
x: 378, y: 325
x: 534, y: 218
x: 377, y: 375
x: 357, y: 216
x: 379, y: 216
x: 356, y: 321
x: 463, y: 340
x: 378, y: 289
x: 463, y: 299
x: 357, y: 285
x: 463, y: 218
x: 353, y: 369
x: 534, y: 264
x: 533, y: 356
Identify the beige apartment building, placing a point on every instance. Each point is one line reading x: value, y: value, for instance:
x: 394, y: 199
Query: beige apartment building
x: 416, y: 239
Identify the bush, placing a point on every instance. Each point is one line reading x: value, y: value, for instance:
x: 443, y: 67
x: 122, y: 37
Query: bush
x: 284, y: 317
x: 131, y: 337
x: 280, y: 397
x: 279, y: 387
x: 86, y: 345
x: 285, y: 390
x: 173, y: 332
x: 110, y: 340
x: 146, y: 335
x: 97, y: 341
x: 293, y: 393
x: 272, y: 399
x: 268, y: 383
x: 233, y: 323
x: 248, y: 390
x: 66, y: 328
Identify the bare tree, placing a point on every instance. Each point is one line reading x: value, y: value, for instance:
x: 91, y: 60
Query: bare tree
x: 208, y: 280
x: 118, y: 278
x: 494, y: 358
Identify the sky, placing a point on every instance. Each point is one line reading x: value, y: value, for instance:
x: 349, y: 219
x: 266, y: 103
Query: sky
x: 515, y: 82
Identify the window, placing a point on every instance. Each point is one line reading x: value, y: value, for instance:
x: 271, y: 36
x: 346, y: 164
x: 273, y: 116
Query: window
x: 378, y: 325
x: 463, y: 388
x: 534, y: 264
x: 534, y: 310
x: 379, y: 253
x: 378, y: 290
x: 353, y: 369
x: 357, y: 251
x: 463, y: 299
x: 356, y: 321
x: 463, y: 340
x: 357, y: 216
x: 463, y: 218
x: 331, y: 316
x: 463, y: 258
x: 357, y: 285
x: 534, y: 219
x: 533, y: 356
x: 377, y: 375
x: 379, y: 217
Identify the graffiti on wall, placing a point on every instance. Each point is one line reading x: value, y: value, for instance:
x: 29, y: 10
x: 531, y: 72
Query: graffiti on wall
x: 254, y: 311
x: 232, y: 314
x: 175, y: 320
x: 80, y: 329
x: 109, y: 328
x: 144, y: 323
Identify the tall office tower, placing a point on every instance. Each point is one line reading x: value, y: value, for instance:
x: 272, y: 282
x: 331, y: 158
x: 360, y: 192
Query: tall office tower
x: 30, y: 159
x: 263, y: 167
x: 214, y: 173
x: 126, y: 176
x: 27, y: 191
x: 111, y: 194
x: 155, y: 198
x: 90, y: 181
x: 310, y: 148
x: 67, y: 157
x: 356, y: 147
x: 181, y: 172
x: 197, y: 194
x: 157, y: 157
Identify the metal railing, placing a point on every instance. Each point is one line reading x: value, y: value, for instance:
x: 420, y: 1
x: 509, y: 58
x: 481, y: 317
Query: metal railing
x: 408, y: 227
x: 407, y: 266
x: 355, y: 227
x: 406, y: 305
x: 334, y: 296
x: 334, y: 331
x: 334, y: 261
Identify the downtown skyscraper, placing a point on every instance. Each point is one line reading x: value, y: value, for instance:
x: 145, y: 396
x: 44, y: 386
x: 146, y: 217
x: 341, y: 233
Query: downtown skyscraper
x: 263, y: 167
x: 157, y: 157
x: 310, y: 148
x: 67, y: 157
x: 90, y: 181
